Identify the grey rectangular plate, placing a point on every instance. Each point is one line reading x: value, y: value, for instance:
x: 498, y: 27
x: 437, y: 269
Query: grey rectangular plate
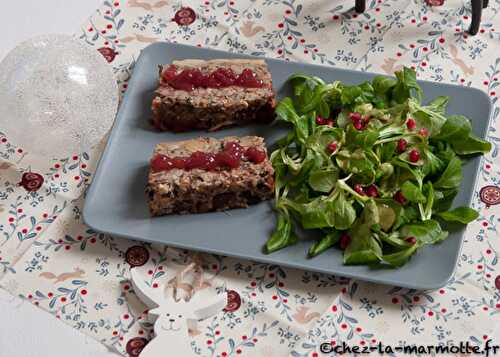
x: 116, y: 203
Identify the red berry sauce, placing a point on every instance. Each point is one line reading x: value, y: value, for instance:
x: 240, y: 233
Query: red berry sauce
x: 255, y: 155
x: 229, y: 158
x: 189, y: 79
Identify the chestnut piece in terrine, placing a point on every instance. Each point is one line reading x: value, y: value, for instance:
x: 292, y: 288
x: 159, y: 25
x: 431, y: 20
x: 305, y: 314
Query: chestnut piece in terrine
x: 198, y: 94
x: 208, y: 174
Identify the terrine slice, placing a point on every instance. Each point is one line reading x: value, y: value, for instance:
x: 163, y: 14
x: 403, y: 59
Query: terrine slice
x: 208, y: 174
x: 210, y: 104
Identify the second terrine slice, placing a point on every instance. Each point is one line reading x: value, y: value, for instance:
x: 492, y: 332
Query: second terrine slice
x: 208, y: 174
x: 199, y: 94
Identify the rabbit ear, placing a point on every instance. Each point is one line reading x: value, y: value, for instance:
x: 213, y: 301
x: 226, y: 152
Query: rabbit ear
x: 150, y: 296
x: 210, y: 303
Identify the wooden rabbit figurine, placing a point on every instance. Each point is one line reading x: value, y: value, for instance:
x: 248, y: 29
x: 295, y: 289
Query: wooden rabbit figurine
x: 171, y: 325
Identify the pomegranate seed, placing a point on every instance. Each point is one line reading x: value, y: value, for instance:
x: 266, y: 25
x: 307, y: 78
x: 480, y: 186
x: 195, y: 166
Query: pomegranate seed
x: 358, y: 125
x: 345, y: 239
x: 414, y: 155
x: 332, y: 147
x: 320, y: 120
x: 359, y: 189
x: 411, y: 240
x: 411, y: 124
x: 400, y: 198
x: 371, y: 191
x: 423, y: 132
x: 402, y: 143
x: 355, y: 116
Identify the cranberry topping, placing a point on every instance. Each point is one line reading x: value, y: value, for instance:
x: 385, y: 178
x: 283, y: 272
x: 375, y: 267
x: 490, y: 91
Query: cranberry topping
x: 234, y: 148
x: 161, y: 163
x: 248, y: 79
x: 189, y: 79
x: 201, y: 160
x: 230, y: 157
x: 402, y: 143
x: 255, y: 155
x: 179, y: 162
x: 169, y: 73
x: 414, y: 155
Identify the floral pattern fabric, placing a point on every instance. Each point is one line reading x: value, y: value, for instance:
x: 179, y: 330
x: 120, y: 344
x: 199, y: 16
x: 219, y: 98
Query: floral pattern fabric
x: 49, y: 257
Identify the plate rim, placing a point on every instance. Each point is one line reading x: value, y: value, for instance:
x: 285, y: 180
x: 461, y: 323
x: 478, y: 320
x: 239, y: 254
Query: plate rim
x: 119, y: 120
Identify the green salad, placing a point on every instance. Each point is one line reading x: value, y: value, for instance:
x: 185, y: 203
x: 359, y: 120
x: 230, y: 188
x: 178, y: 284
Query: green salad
x: 369, y: 167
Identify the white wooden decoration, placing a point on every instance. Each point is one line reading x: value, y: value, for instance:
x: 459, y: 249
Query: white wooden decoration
x: 171, y: 325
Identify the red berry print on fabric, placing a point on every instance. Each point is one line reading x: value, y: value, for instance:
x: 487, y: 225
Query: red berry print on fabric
x: 490, y: 195
x: 135, y: 346
x: 31, y: 181
x: 233, y: 301
x: 137, y: 256
x: 108, y: 53
x: 185, y: 16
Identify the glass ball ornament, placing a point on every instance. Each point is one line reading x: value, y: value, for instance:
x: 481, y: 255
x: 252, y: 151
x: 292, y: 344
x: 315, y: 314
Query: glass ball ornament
x: 58, y: 96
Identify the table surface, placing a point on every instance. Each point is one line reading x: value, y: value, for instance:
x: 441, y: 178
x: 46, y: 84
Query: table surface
x: 21, y: 321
